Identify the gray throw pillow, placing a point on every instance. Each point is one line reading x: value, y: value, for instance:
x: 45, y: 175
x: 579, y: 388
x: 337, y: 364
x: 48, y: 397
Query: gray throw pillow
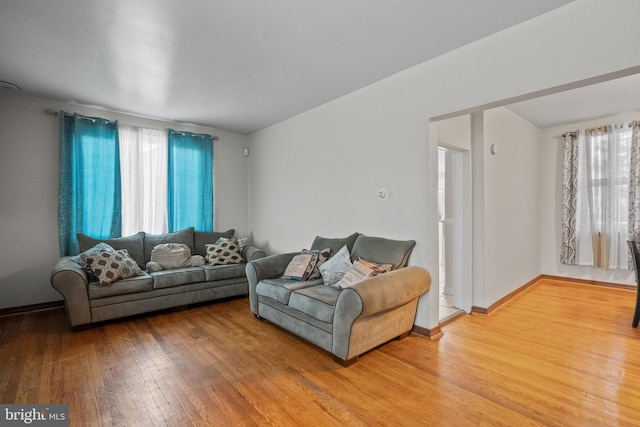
x: 333, y: 270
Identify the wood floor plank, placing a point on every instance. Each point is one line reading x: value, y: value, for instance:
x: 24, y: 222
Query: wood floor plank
x: 557, y: 354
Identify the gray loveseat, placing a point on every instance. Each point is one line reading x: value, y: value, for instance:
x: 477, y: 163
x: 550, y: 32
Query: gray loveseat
x: 89, y: 302
x: 345, y: 322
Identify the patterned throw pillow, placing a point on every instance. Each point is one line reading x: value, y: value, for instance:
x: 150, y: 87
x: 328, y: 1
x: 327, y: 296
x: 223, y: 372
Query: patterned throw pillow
x: 361, y: 271
x: 300, y: 267
x: 92, y: 251
x: 227, y: 252
x: 110, y: 266
x: 323, y: 256
x: 333, y: 270
x: 242, y: 242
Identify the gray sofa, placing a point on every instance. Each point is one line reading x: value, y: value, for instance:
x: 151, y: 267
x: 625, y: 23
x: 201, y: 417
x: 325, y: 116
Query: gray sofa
x: 88, y: 302
x: 345, y: 322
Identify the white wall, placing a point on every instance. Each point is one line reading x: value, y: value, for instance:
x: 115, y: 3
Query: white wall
x: 511, y: 203
x: 29, y: 140
x: 551, y: 156
x: 318, y: 173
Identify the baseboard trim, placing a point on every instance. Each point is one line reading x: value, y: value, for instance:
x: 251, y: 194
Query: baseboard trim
x: 11, y: 311
x: 587, y: 282
x: 433, y: 333
x: 501, y: 301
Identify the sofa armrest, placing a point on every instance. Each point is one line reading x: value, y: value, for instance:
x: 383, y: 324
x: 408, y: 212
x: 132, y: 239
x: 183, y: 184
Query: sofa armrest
x: 68, y: 278
x: 374, y: 296
x: 250, y: 253
x: 392, y: 289
x: 265, y: 268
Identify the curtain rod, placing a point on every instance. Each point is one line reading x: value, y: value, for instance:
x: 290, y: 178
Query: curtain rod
x: 575, y: 132
x: 50, y: 112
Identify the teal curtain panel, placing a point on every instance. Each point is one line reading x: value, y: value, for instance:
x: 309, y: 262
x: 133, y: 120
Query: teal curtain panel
x: 190, y: 181
x: 89, y: 199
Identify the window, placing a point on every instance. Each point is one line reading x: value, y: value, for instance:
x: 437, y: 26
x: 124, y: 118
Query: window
x: 597, y: 218
x: 119, y: 180
x: 143, y: 159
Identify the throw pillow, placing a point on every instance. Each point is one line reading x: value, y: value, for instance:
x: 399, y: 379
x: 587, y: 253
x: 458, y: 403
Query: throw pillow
x: 300, y: 267
x: 110, y: 266
x: 227, y: 252
x: 184, y: 237
x: 333, y: 269
x: 241, y: 242
x: 323, y: 256
x: 92, y: 251
x: 378, y: 269
x: 361, y: 271
x: 134, y: 245
x: 171, y: 255
x: 202, y: 238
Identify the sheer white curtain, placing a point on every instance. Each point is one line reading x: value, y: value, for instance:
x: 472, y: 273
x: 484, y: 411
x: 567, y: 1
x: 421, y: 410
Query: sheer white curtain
x: 143, y: 163
x: 602, y: 202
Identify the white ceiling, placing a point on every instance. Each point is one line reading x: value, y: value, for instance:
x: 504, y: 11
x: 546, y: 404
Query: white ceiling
x: 236, y: 65
x: 592, y: 102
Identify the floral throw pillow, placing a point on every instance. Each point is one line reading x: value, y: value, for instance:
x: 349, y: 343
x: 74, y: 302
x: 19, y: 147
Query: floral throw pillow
x: 110, y: 265
x: 300, y: 267
x: 225, y: 252
x: 323, y: 256
x: 361, y: 271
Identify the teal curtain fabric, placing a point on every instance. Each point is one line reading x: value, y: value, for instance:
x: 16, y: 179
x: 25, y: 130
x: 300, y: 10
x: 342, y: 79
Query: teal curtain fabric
x: 89, y: 199
x: 190, y: 181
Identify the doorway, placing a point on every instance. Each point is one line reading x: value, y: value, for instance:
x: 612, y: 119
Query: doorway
x: 454, y: 232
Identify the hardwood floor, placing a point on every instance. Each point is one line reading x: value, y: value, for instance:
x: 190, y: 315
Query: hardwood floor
x: 558, y: 354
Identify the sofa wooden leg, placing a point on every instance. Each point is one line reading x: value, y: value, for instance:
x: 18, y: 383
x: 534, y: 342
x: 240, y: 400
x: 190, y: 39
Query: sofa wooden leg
x: 346, y: 363
x: 403, y: 336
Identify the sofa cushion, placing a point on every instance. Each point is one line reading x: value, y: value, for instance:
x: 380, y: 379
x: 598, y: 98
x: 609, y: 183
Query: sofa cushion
x: 222, y: 272
x: 383, y: 251
x: 202, y: 238
x: 280, y: 289
x: 334, y: 244
x: 121, y: 287
x: 177, y: 277
x: 109, y: 265
x: 152, y: 240
x: 318, y: 301
x: 133, y: 244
